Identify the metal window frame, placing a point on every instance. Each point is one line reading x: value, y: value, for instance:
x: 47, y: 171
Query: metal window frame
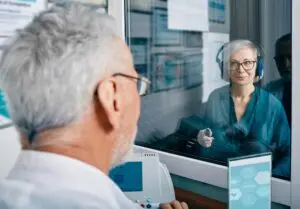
x: 283, y: 192
x: 295, y: 178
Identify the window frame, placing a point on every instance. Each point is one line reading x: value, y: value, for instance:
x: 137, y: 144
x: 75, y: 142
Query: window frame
x: 295, y: 174
x: 283, y: 192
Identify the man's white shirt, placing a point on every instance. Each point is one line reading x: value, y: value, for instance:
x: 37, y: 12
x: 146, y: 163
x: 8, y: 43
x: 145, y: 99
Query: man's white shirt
x: 46, y: 180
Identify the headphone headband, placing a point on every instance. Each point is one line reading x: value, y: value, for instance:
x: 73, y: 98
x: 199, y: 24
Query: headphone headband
x: 259, y: 66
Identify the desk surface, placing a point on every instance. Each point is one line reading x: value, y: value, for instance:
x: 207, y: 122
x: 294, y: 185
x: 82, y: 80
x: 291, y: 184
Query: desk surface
x: 196, y: 201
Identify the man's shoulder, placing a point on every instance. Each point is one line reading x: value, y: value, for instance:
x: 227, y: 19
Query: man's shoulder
x: 38, y: 180
x: 43, y: 196
x: 274, y: 86
x: 266, y: 95
x: 269, y: 100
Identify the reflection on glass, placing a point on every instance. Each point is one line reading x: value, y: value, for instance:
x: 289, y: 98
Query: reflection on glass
x: 167, y: 72
x: 94, y: 2
x: 98, y: 5
x: 282, y: 88
x: 161, y: 34
x: 217, y: 13
x: 239, y: 118
x: 244, y: 118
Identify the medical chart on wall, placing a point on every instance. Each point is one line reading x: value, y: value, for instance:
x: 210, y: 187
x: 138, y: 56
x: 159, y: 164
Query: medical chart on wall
x: 193, y: 68
x: 167, y: 72
x: 95, y: 2
x: 102, y: 2
x: 5, y: 120
x: 16, y: 14
x: 97, y: 5
x: 4, y: 115
x: 189, y: 15
x: 162, y: 35
x: 217, y: 11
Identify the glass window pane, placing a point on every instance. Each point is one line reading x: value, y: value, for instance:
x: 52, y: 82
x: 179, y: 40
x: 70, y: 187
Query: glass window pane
x: 94, y: 2
x: 99, y: 5
x: 215, y: 94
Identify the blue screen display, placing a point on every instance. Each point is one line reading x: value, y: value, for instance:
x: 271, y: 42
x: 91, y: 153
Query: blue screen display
x: 129, y: 177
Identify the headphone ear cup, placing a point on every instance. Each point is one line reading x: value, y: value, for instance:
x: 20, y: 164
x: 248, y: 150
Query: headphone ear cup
x: 260, y: 67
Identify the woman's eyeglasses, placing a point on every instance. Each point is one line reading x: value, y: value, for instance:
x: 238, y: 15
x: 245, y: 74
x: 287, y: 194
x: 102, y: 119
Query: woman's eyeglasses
x: 247, y: 65
x: 142, y: 82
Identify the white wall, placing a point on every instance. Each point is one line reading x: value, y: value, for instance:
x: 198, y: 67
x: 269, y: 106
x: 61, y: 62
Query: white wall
x: 212, y: 78
x: 9, y: 149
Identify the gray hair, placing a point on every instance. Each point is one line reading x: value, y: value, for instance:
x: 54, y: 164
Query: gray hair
x: 231, y: 48
x: 236, y: 45
x: 50, y: 69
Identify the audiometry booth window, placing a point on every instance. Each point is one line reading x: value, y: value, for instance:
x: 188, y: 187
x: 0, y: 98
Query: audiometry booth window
x: 246, y: 111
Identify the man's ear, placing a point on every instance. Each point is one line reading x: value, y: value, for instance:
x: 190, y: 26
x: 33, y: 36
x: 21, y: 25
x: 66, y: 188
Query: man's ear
x: 108, y: 96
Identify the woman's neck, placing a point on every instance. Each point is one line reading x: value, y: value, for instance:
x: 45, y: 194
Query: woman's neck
x: 242, y: 91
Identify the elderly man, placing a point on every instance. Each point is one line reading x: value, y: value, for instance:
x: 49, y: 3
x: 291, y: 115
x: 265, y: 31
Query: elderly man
x: 73, y: 96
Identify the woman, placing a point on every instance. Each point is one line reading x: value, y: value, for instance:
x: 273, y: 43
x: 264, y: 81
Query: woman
x: 243, y: 118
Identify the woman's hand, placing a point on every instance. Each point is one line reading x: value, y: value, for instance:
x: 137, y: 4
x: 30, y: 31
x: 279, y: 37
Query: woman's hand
x: 205, y: 138
x: 174, y: 205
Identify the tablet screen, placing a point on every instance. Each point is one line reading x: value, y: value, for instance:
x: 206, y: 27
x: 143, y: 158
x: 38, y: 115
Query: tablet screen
x: 250, y: 182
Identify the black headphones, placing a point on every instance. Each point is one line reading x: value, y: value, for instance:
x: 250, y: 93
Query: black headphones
x: 260, y: 63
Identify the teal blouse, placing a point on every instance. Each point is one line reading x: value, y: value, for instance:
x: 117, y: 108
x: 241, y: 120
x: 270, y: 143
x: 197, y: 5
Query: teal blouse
x: 262, y: 128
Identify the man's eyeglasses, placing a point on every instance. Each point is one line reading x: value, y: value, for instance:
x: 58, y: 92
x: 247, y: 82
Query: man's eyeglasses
x: 247, y: 65
x: 142, y: 82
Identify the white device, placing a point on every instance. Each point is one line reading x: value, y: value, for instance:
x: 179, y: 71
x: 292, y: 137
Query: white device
x: 145, y: 180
